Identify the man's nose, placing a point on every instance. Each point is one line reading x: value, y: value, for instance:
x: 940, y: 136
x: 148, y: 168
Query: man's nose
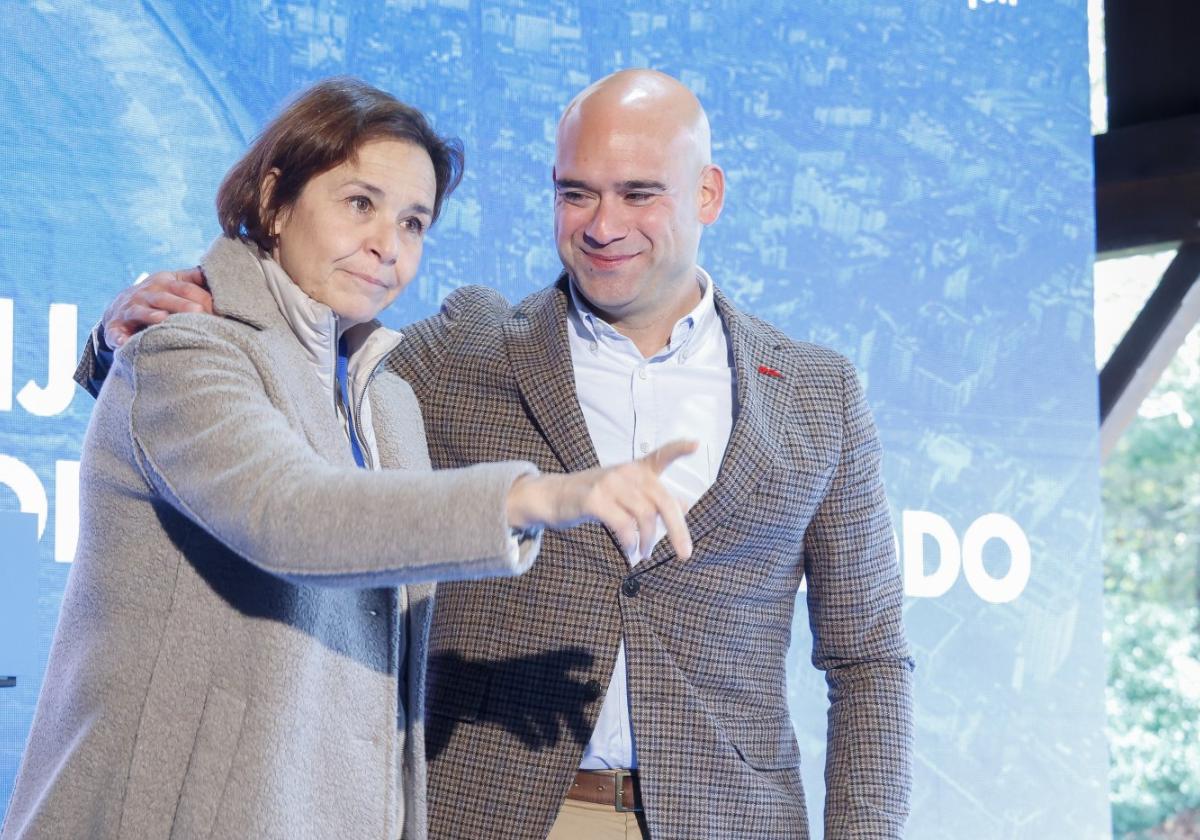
x: 607, y: 224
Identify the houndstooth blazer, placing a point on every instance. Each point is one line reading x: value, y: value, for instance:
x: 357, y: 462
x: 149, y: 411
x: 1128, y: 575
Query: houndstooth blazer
x: 518, y: 667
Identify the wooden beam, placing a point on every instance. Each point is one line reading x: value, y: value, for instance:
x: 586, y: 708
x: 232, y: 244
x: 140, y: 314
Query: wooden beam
x: 1148, y: 184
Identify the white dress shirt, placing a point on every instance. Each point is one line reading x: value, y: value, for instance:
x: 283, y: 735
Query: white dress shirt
x: 633, y: 405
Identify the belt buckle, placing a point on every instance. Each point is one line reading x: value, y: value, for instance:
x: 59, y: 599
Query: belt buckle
x: 619, y: 792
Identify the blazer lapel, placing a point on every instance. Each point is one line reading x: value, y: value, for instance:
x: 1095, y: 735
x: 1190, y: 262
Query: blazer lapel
x: 750, y: 448
x: 536, y: 340
x: 762, y: 399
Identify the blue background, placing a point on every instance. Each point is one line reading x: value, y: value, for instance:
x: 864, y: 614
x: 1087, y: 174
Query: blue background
x: 909, y: 183
x: 18, y: 596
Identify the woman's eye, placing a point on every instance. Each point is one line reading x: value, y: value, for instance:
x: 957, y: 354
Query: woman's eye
x: 414, y: 225
x: 360, y: 203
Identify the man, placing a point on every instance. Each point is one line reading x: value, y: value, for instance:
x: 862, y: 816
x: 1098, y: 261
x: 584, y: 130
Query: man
x: 600, y: 695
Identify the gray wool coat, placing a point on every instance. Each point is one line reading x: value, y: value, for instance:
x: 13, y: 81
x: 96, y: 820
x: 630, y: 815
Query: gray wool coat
x: 233, y: 657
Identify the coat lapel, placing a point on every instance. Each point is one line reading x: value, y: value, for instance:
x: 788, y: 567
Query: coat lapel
x: 536, y: 339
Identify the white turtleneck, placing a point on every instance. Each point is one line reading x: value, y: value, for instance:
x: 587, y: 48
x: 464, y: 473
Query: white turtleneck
x: 318, y: 329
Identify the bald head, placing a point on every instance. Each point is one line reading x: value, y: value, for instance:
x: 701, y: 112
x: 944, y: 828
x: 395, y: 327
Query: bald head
x: 634, y: 188
x: 658, y: 104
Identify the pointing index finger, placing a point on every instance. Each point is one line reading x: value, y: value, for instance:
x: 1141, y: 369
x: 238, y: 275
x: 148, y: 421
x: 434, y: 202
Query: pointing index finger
x: 661, y: 458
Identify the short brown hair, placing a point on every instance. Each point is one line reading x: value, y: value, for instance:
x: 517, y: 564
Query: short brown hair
x: 324, y: 127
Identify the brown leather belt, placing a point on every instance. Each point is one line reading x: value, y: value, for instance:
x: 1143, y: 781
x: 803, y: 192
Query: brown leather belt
x: 618, y: 788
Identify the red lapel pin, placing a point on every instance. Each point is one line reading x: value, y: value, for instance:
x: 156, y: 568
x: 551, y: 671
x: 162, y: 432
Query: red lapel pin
x: 769, y: 371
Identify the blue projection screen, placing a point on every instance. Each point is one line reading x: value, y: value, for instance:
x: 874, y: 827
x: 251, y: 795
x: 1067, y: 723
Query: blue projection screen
x: 908, y: 182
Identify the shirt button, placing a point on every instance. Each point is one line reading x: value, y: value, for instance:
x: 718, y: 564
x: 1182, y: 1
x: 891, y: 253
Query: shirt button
x: 594, y: 347
x: 645, y: 447
x: 641, y: 373
x: 631, y: 586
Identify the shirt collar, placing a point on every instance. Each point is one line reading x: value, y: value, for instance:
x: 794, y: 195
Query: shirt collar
x: 691, y: 328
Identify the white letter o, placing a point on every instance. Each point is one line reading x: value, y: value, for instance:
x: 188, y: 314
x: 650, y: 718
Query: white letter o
x: 996, y: 526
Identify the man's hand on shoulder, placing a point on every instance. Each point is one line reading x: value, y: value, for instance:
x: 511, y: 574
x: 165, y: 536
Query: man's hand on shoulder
x: 151, y: 301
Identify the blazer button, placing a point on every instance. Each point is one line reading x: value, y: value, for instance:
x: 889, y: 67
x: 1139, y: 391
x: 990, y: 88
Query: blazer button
x: 631, y: 586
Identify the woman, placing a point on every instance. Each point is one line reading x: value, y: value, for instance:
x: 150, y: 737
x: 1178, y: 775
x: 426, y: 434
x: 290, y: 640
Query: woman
x: 233, y: 658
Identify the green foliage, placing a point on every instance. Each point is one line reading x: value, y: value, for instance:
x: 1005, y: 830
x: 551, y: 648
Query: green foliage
x: 1151, y: 493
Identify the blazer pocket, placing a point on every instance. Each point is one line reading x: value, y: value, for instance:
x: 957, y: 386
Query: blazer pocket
x: 764, y: 743
x: 209, y: 765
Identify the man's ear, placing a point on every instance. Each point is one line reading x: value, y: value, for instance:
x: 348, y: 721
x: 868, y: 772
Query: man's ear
x: 712, y: 193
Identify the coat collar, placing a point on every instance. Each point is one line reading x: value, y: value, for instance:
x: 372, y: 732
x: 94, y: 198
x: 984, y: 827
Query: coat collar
x: 231, y: 268
x: 228, y: 266
x: 241, y: 290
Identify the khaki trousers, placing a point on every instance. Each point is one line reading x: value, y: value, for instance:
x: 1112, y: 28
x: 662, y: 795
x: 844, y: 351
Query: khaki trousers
x: 588, y: 821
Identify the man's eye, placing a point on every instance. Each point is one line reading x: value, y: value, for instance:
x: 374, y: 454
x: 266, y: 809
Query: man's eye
x: 638, y: 197
x: 572, y: 196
